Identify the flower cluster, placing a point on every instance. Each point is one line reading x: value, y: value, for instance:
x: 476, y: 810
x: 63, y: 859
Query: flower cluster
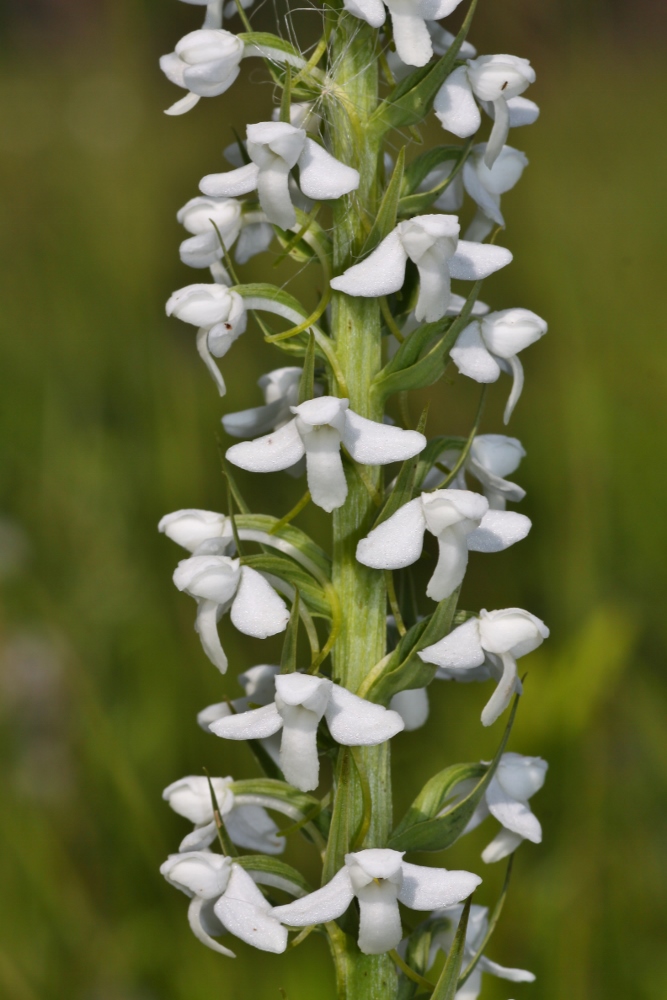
x: 386, y: 235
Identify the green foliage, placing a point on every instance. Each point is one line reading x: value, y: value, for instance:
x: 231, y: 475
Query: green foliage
x: 448, y: 983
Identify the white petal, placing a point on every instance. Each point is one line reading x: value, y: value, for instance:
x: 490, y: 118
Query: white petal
x: 373, y: 443
x: 298, y: 747
x: 412, y: 706
x: 517, y: 387
x: 253, y: 725
x: 520, y: 776
x: 320, y: 906
x: 253, y: 828
x: 397, y: 542
x: 191, y: 527
x: 206, y: 626
x: 499, y: 132
x: 413, y: 41
x: 197, y: 928
x: 304, y: 690
x: 382, y: 272
x: 231, y: 183
x: 197, y: 873
x: 199, y: 839
x: 321, y: 176
x: 473, y: 261
x: 257, y: 609
x: 172, y: 67
x: 270, y: 453
x: 513, y: 975
x: 513, y: 814
x: 507, y: 686
x: 353, y: 721
x: 323, y: 410
x: 487, y: 200
x: 207, y: 358
x: 522, y: 111
x: 379, y: 918
x: 455, y: 105
x: 253, y: 239
x: 434, y: 287
x: 501, y: 846
x: 324, y: 468
x: 431, y: 888
x: 471, y: 356
x: 255, y: 421
x: 180, y: 108
x: 371, y: 11
x: 499, y: 529
x: 244, y: 911
x: 452, y: 563
x: 274, y: 196
x: 459, y: 650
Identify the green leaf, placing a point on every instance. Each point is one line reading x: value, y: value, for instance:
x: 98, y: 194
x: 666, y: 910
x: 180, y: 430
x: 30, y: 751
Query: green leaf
x: 402, y: 669
x: 280, y: 797
x: 307, y: 380
x: 411, y: 100
x: 421, y: 201
x: 385, y: 220
x: 263, y: 43
x: 276, y: 873
x: 289, y: 534
x: 285, y: 569
x: 493, y: 920
x: 422, y: 829
x: 421, y: 167
x: 431, y: 453
x: 448, y: 983
x: 288, y: 657
x: 413, y: 345
x: 345, y: 816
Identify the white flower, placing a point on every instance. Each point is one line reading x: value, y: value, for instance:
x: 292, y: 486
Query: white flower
x: 317, y: 431
x: 432, y: 243
x: 247, y: 825
x: 412, y: 706
x: 496, y: 82
x: 490, y: 345
x: 220, y: 584
x: 275, y: 148
x: 485, y: 185
x: 300, y: 702
x: 487, y: 647
x: 220, y: 315
x: 491, y: 458
x: 281, y: 392
x: 478, y: 925
x: 224, y: 898
x: 409, y: 19
x: 379, y: 878
x: 459, y: 519
x: 205, y: 218
x: 205, y: 63
x: 259, y: 685
x: 190, y: 528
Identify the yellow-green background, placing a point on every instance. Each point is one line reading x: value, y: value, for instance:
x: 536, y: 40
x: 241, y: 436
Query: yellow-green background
x: 108, y: 420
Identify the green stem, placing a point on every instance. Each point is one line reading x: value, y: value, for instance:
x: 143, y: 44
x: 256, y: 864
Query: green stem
x: 356, y: 330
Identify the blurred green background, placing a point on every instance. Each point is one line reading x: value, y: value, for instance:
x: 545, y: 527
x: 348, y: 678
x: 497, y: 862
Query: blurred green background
x: 108, y: 420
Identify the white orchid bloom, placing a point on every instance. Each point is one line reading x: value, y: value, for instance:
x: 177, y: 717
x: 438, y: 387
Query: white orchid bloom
x: 224, y: 898
x: 190, y: 528
x: 247, y: 825
x: 220, y: 584
x: 412, y: 706
x: 490, y: 345
x: 485, y: 186
x: 220, y: 315
x: 205, y: 63
x: 275, y: 148
x: 478, y: 925
x: 259, y: 685
x: 281, y: 392
x: 459, y: 519
x: 380, y: 879
x: 492, y: 457
x: 209, y: 220
x: 496, y: 82
x: 488, y: 647
x: 317, y: 431
x: 410, y: 23
x: 432, y: 243
x: 301, y: 700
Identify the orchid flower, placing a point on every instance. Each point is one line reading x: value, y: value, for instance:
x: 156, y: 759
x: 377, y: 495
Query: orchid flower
x: 205, y: 63
x: 275, y: 148
x: 412, y: 706
x: 496, y: 82
x: 317, y: 431
x: 485, y: 186
x: 488, y: 647
x: 491, y: 458
x: 281, y: 392
x: 209, y: 220
x: 190, y: 528
x: 224, y: 898
x: 219, y: 584
x: 259, y: 685
x: 380, y: 879
x: 220, y: 315
x: 476, y: 931
x: 247, y: 825
x: 432, y: 243
x: 459, y: 519
x: 517, y: 779
x: 300, y: 702
x: 409, y: 20
x: 490, y: 345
